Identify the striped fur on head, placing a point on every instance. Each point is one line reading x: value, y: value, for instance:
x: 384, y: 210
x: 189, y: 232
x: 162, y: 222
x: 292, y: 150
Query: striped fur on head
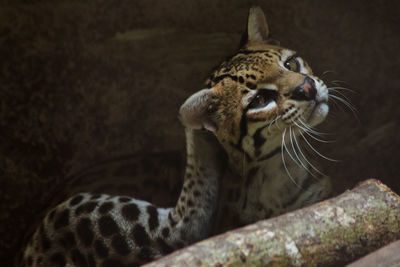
x: 255, y: 94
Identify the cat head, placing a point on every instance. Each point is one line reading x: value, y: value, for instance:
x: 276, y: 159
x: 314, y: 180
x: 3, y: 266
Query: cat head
x: 256, y: 94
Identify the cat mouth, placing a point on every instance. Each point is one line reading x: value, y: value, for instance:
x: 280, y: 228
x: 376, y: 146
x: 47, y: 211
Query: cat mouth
x: 318, y: 113
x: 313, y: 114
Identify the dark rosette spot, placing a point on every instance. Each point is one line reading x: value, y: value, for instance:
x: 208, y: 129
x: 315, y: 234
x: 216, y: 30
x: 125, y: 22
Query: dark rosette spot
x: 108, y: 226
x: 140, y: 236
x: 130, y: 212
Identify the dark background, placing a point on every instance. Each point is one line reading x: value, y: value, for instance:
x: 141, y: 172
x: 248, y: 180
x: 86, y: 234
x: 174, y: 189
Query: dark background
x: 84, y: 81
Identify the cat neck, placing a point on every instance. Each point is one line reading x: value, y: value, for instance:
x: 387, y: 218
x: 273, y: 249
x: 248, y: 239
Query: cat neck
x: 198, y: 199
x: 244, y: 160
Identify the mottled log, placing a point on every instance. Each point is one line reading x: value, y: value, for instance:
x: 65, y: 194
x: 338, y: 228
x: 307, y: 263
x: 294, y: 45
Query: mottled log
x: 387, y: 256
x: 330, y: 233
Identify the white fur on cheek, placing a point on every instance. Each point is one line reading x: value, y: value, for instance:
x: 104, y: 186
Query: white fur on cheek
x: 322, y: 91
x: 319, y: 114
x: 269, y: 86
x: 270, y: 106
x: 247, y: 99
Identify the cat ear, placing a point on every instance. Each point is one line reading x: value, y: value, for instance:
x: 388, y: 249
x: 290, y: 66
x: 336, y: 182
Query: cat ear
x: 257, y: 27
x: 197, y: 111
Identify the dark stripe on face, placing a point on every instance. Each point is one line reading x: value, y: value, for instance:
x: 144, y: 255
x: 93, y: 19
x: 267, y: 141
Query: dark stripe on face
x: 271, y: 154
x: 251, y: 86
x: 256, y: 119
x: 221, y: 77
x: 248, y: 158
x: 259, y: 140
x: 277, y: 55
x: 260, y: 120
x: 243, y: 127
x: 243, y: 133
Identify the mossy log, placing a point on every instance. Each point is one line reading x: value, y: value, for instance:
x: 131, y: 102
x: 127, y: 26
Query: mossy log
x: 330, y: 233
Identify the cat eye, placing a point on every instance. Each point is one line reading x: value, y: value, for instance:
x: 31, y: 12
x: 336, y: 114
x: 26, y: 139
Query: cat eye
x: 263, y: 98
x: 292, y: 64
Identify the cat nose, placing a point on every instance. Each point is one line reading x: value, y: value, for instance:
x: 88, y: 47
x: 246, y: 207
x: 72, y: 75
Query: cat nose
x: 305, y: 91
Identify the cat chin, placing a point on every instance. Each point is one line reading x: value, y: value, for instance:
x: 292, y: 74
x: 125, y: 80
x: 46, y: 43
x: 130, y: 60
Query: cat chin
x: 318, y: 114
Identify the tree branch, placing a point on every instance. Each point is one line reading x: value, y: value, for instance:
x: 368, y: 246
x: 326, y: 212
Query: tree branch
x: 329, y: 233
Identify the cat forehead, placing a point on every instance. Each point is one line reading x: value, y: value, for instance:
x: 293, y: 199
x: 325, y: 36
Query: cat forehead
x: 255, y: 59
x: 252, y: 65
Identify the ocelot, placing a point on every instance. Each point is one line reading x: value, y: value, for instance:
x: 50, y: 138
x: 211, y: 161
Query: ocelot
x: 240, y: 131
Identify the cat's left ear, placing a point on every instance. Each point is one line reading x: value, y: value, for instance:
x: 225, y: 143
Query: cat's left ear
x: 198, y: 110
x: 257, y: 27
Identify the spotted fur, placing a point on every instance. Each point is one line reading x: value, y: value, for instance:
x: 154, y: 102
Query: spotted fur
x: 103, y: 230
x: 251, y: 101
x: 260, y: 103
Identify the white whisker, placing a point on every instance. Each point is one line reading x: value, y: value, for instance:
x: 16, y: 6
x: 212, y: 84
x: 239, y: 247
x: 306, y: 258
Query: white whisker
x: 347, y: 104
x: 277, y: 122
x: 337, y: 105
x: 327, y: 72
x: 335, y: 83
x: 310, y: 129
x: 341, y: 94
x: 306, y: 131
x: 283, y: 160
x: 290, y: 154
x: 299, y: 126
x: 339, y: 81
x: 272, y: 122
x: 305, y: 158
x: 318, y: 153
x: 341, y: 88
x: 294, y: 150
x: 344, y: 101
